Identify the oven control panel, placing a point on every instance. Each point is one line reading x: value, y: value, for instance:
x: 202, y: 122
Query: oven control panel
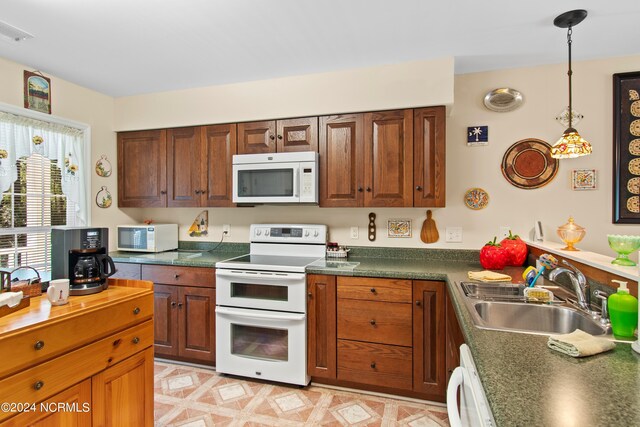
x: 292, y: 233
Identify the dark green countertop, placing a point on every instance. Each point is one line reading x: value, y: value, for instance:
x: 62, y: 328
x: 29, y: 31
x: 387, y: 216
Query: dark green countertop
x: 186, y: 259
x: 526, y: 383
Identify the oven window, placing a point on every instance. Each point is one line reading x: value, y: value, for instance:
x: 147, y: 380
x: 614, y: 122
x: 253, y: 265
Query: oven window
x: 265, y: 183
x: 260, y: 292
x: 260, y: 343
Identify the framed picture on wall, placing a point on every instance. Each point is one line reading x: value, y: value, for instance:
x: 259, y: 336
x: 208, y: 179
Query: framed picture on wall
x: 37, y: 92
x: 626, y: 148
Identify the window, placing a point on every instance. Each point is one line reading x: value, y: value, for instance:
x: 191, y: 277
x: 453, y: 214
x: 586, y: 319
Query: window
x: 42, y: 180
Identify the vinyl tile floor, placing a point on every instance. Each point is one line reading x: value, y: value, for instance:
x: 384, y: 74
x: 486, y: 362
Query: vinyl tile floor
x: 197, y: 397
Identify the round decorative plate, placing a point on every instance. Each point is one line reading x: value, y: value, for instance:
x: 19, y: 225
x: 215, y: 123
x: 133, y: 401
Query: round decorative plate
x: 528, y: 164
x: 503, y: 99
x: 634, y: 128
x: 634, y: 147
x: 634, y: 166
x: 635, y: 108
x: 633, y: 204
x: 476, y: 198
x: 634, y: 185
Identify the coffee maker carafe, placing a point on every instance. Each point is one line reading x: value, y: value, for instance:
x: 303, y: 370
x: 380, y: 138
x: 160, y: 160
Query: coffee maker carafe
x: 80, y: 255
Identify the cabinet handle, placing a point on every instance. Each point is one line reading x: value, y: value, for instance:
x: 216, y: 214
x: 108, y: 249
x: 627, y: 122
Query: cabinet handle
x: 373, y: 365
x: 179, y: 305
x: 38, y: 385
x: 373, y: 322
x: 360, y: 189
x: 310, y: 295
x: 279, y: 136
x: 136, y: 310
x: 418, y: 303
x: 135, y: 340
x: 163, y: 192
x: 368, y: 189
x: 173, y: 304
x: 38, y: 345
x: 373, y: 290
x: 419, y: 187
x: 271, y: 137
x: 197, y: 191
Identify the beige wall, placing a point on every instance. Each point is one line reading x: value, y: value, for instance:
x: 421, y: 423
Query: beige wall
x: 70, y: 101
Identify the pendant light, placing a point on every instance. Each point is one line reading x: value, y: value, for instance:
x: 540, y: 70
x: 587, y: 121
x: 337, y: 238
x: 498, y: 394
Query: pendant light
x: 571, y: 144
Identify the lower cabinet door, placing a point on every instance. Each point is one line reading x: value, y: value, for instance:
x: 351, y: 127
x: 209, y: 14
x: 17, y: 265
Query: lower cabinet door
x: 69, y: 408
x: 165, y: 320
x: 197, y: 312
x: 122, y: 395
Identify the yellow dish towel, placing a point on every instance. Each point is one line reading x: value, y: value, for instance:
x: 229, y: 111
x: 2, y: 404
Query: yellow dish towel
x: 579, y: 344
x: 488, y: 276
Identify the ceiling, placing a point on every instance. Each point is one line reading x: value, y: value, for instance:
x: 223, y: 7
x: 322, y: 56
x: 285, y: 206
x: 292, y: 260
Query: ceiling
x: 129, y: 47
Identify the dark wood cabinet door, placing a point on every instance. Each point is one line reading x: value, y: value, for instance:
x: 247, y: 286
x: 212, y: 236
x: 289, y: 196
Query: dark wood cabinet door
x: 219, y: 144
x: 321, y: 326
x: 429, y: 145
x: 197, y: 324
x: 455, y: 339
x: 341, y: 161
x: 388, y: 167
x: 429, y: 330
x: 183, y: 167
x: 299, y: 134
x: 142, y: 169
x: 165, y: 320
x: 257, y: 137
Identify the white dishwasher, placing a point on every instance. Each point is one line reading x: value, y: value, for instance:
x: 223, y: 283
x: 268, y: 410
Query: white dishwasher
x: 474, y: 409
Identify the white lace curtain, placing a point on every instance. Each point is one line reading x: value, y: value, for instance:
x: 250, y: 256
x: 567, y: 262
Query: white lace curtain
x: 22, y: 136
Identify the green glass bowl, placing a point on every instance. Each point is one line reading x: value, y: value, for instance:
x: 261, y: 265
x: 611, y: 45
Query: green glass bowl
x: 623, y: 245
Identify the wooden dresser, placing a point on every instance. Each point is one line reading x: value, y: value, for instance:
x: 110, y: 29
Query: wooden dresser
x: 89, y: 362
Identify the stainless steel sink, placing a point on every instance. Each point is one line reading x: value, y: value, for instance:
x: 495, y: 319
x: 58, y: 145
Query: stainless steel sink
x: 531, y: 318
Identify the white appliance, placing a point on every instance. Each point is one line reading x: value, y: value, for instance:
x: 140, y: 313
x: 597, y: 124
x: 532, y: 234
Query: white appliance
x: 261, y: 304
x: 148, y: 238
x: 474, y: 409
x: 275, y: 178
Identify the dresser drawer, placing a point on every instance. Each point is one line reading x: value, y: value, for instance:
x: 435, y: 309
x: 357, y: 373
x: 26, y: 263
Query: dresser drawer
x: 40, y: 382
x: 365, y: 288
x: 127, y: 271
x: 376, y: 364
x: 185, y: 276
x: 24, y: 349
x: 372, y: 321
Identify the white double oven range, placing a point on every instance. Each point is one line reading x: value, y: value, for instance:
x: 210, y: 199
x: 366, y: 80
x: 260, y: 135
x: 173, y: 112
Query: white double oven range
x: 261, y: 304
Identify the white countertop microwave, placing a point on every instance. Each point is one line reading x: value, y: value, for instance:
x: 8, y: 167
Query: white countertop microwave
x: 275, y: 178
x: 148, y: 238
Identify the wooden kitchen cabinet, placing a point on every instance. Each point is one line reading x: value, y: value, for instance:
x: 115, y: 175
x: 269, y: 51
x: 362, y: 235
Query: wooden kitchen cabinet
x: 218, y: 145
x: 184, y: 304
x: 321, y: 326
x: 429, y: 144
x: 429, y: 339
x: 125, y: 270
x: 183, y: 167
x: 142, y: 165
x: 455, y: 338
x: 287, y: 135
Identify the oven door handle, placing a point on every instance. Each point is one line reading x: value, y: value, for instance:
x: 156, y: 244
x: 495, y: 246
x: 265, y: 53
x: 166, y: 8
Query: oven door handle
x: 260, y: 276
x: 259, y: 314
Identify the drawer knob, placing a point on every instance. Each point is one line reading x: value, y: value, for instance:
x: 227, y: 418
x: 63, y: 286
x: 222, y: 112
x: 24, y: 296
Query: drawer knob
x: 135, y: 340
x: 38, y: 345
x: 418, y: 303
x: 419, y: 187
x: 136, y: 310
x: 373, y: 290
x: 38, y: 385
x: 373, y: 365
x: 117, y: 342
x: 373, y: 322
x: 176, y: 276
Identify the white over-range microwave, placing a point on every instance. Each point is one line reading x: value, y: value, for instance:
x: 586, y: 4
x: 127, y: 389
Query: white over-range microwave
x: 275, y: 178
x: 148, y: 238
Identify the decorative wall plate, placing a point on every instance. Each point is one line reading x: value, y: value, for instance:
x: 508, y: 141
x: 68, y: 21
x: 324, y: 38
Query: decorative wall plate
x: 103, y: 166
x: 399, y: 228
x: 503, y: 99
x: 583, y: 179
x: 528, y: 164
x: 635, y: 109
x: 634, y: 166
x: 634, y: 147
x: 634, y: 128
x: 476, y: 198
x: 103, y: 198
x: 633, y: 185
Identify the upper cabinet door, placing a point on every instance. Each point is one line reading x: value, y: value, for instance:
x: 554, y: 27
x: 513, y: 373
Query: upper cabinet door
x: 341, y: 161
x: 388, y: 142
x: 297, y: 134
x: 429, y: 157
x: 257, y: 137
x: 142, y: 166
x: 183, y: 167
x: 218, y: 147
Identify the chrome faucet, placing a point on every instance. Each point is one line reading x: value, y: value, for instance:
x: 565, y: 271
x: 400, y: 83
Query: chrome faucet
x: 579, y: 283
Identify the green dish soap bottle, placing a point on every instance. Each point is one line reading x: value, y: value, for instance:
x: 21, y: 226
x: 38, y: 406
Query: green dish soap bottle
x: 623, y: 311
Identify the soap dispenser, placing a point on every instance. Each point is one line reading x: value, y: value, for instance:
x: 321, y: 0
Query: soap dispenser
x: 623, y: 311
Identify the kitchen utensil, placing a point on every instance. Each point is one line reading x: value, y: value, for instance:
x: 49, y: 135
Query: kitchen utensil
x: 429, y: 232
x: 58, y: 291
x: 623, y: 245
x: 372, y: 227
x: 571, y: 233
x: 538, y: 295
x: 547, y: 261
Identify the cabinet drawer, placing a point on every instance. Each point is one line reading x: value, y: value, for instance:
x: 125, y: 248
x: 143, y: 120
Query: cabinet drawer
x: 127, y: 271
x: 376, y: 364
x: 40, y: 382
x: 372, y: 321
x: 39, y: 344
x: 366, y: 288
x: 185, y: 276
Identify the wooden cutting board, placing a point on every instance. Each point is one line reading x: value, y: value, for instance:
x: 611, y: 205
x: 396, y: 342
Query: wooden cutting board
x: 429, y: 232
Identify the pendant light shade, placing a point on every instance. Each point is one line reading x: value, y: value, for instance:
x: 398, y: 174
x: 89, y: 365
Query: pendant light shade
x: 570, y: 144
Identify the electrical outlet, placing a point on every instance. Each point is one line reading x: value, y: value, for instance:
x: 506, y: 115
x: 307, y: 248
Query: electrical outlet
x: 453, y: 234
x: 354, y: 232
x: 504, y: 232
x: 226, y: 228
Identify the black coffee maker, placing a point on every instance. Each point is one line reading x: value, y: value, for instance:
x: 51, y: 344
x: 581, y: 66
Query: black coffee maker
x: 80, y: 255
